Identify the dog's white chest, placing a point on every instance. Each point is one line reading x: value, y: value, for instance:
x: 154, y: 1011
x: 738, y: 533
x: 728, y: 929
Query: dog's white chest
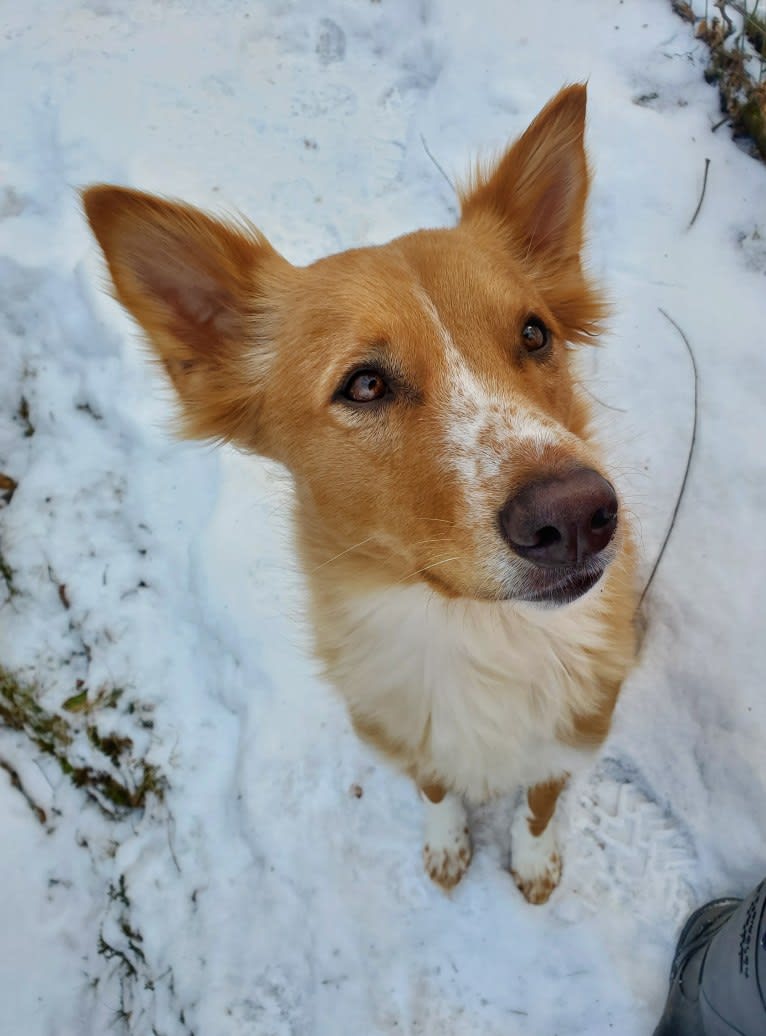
x: 480, y: 687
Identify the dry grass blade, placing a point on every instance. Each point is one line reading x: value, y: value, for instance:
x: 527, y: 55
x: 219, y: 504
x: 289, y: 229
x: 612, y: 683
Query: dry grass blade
x: 8, y: 487
x: 436, y: 162
x: 737, y: 66
x: 690, y: 454
x: 693, y: 220
x: 17, y: 783
x: 684, y: 10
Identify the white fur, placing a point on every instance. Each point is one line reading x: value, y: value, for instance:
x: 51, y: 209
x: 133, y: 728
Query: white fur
x: 446, y: 841
x: 535, y: 859
x: 486, y: 686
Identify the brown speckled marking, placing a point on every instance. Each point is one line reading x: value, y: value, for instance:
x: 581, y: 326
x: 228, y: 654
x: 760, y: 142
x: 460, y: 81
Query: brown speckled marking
x: 447, y: 866
x: 539, y: 889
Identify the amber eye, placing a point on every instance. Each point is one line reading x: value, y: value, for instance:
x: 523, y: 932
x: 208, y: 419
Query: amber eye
x: 535, y: 335
x: 365, y: 386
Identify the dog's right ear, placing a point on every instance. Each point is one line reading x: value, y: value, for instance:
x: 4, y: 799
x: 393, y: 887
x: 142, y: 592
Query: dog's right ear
x: 202, y: 290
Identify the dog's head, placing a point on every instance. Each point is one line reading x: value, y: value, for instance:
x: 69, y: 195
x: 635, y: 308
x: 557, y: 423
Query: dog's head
x: 419, y: 392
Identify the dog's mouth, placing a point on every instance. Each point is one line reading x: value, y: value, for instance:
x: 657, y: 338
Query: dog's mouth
x: 553, y: 588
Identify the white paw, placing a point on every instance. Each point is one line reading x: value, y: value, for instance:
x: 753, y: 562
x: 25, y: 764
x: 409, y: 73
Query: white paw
x: 537, y: 887
x: 447, y: 846
x: 535, y: 860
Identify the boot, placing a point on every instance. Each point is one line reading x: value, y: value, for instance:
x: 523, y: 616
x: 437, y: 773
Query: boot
x: 718, y: 978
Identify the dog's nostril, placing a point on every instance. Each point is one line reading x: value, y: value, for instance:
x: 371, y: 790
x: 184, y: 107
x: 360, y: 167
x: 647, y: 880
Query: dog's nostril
x: 547, y: 536
x: 561, y: 521
x: 601, y: 519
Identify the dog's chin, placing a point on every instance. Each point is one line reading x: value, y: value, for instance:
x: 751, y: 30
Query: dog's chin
x: 550, y: 588
x: 546, y: 588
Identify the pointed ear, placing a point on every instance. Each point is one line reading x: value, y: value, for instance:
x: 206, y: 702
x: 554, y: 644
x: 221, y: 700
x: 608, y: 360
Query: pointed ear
x: 536, y: 193
x: 198, y: 288
x: 539, y: 187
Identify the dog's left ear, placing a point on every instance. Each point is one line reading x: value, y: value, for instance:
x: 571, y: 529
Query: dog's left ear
x: 539, y: 187
x: 537, y: 194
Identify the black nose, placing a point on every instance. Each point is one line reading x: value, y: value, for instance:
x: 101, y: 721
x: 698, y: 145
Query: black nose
x: 561, y: 521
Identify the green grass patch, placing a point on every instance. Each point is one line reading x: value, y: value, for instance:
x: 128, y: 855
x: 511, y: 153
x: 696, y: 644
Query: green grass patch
x: 121, y: 784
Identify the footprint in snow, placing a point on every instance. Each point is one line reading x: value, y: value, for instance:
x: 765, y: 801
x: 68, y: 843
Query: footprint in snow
x: 331, y: 45
x: 624, y: 850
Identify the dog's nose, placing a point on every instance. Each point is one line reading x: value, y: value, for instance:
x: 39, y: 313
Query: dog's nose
x: 558, y: 522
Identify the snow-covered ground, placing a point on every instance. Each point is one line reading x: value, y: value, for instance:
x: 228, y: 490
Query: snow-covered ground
x: 277, y: 888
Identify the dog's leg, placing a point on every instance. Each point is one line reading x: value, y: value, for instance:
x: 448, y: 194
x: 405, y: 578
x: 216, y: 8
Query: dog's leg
x: 447, y: 843
x: 535, y: 860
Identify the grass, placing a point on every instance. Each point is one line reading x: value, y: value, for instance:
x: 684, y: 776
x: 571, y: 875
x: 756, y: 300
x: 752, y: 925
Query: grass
x: 95, y: 737
x: 119, y: 784
x: 6, y: 574
x: 736, y: 39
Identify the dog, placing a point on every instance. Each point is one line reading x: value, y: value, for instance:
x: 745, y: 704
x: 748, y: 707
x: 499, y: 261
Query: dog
x: 471, y: 572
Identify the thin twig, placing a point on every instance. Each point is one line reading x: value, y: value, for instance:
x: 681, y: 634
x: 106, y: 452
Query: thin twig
x: 594, y: 397
x: 436, y: 163
x: 171, y: 836
x: 38, y: 811
x: 721, y: 5
x: 692, y: 444
x: 742, y: 10
x: 702, y: 195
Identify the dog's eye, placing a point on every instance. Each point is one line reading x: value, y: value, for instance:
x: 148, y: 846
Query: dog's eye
x: 535, y: 335
x: 365, y: 386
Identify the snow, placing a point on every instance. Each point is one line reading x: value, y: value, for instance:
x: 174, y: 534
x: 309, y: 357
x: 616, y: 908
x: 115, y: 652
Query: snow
x: 264, y: 895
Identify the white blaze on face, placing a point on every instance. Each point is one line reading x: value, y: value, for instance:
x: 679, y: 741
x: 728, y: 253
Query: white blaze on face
x: 483, y: 430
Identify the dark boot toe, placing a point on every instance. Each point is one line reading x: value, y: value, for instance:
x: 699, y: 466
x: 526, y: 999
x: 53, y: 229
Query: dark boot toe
x: 682, y: 1015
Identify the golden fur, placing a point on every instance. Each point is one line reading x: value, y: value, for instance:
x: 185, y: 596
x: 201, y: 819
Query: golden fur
x: 414, y: 595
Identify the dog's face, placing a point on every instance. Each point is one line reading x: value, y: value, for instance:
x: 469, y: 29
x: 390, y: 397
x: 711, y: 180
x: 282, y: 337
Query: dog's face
x: 420, y: 392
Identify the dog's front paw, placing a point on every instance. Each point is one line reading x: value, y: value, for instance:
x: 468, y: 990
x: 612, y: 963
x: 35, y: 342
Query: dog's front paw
x: 537, y: 883
x: 446, y: 864
x: 535, y: 859
x: 447, y: 845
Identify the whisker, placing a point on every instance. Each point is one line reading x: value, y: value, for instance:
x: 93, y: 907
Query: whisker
x: 355, y: 546
x: 342, y: 553
x: 425, y: 568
